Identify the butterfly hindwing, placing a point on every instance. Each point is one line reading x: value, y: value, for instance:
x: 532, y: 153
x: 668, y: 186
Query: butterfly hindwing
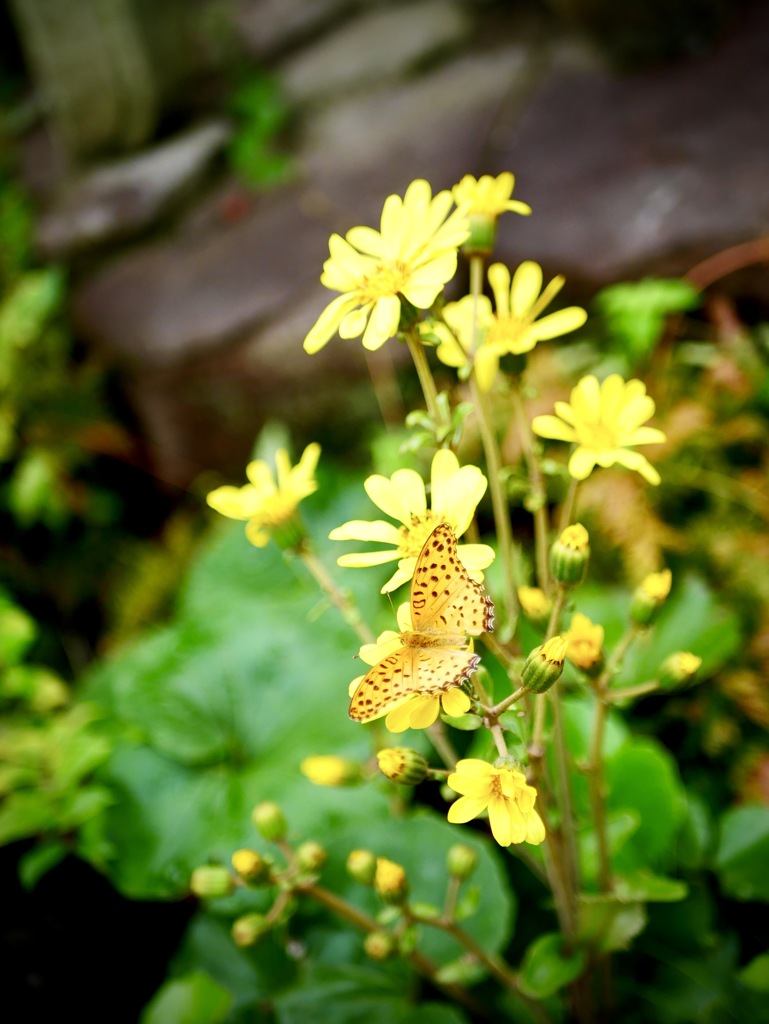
x: 407, y: 672
x: 444, y: 599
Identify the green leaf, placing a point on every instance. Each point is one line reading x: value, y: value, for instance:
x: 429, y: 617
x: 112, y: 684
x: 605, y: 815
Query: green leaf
x: 743, y: 853
x: 643, y: 777
x: 24, y: 814
x: 193, y: 999
x: 636, y: 311
x: 645, y: 887
x: 41, y: 859
x: 25, y: 310
x: 17, y: 632
x: 608, y: 925
x: 755, y: 975
x: 546, y: 968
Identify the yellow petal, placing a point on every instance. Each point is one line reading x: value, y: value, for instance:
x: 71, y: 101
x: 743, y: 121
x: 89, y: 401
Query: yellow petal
x: 525, y: 288
x: 362, y: 529
x: 582, y: 463
x: 455, y: 702
x: 552, y: 427
x: 465, y: 808
x: 499, y: 819
x: 383, y: 322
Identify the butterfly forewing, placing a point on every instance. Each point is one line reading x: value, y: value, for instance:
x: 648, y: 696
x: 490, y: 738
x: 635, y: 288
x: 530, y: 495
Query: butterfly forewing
x: 444, y: 599
x: 409, y: 671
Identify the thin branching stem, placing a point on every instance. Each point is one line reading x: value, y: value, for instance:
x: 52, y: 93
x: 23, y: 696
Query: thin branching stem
x: 538, y: 492
x: 342, y: 600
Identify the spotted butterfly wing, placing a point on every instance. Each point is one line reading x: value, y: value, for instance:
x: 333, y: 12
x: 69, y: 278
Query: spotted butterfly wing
x: 446, y: 605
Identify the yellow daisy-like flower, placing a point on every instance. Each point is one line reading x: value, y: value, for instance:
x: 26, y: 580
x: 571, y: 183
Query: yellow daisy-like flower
x: 420, y: 710
x: 413, y: 255
x: 269, y: 506
x: 488, y: 196
x: 330, y: 770
x: 504, y: 791
x: 513, y: 328
x: 455, y: 493
x: 604, y: 421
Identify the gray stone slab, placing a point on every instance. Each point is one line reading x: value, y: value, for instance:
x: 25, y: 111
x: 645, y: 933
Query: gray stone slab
x: 117, y: 200
x: 267, y: 26
x: 376, y: 46
x: 626, y: 172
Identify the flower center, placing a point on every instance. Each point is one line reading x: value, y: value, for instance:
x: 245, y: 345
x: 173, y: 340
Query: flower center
x: 276, y: 509
x: 414, y: 535
x: 504, y: 331
x: 386, y: 279
x: 496, y: 786
x: 598, y: 437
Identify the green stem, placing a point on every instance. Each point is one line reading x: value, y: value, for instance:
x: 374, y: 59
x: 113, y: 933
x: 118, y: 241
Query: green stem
x: 567, y: 511
x: 429, y: 390
x: 442, y: 744
x: 345, y: 604
x: 628, y: 692
x: 538, y: 492
x: 503, y: 705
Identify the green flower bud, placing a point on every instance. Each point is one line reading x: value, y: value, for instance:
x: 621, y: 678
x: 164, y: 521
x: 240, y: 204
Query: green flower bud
x: 399, y: 764
x: 390, y: 881
x: 379, y: 945
x: 251, y: 866
x: 544, y: 665
x: 483, y: 235
x: 461, y: 861
x: 678, y: 670
x: 211, y: 881
x: 269, y: 821
x: 650, y: 596
x: 248, y: 929
x: 361, y: 865
x: 570, y: 555
x: 311, y: 856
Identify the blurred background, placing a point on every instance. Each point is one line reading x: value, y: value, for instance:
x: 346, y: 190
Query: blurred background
x: 169, y: 176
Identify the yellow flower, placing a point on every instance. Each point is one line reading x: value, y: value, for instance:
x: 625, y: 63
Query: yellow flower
x: 390, y: 881
x: 513, y: 328
x: 266, y: 505
x: 604, y: 420
x: 657, y: 584
x: 455, y: 494
x: 534, y: 602
x: 412, y: 256
x: 421, y: 710
x: 504, y: 791
x: 330, y: 770
x: 488, y: 196
x: 585, y: 642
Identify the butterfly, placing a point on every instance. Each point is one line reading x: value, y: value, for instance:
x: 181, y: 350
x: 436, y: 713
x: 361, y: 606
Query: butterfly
x: 446, y: 606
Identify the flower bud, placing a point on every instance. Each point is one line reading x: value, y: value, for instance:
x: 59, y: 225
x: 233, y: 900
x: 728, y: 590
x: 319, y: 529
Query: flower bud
x: 461, y: 861
x: 569, y: 556
x: 289, y: 533
x: 311, y: 856
x: 330, y: 770
x: 361, y: 865
x: 585, y: 640
x: 251, y: 866
x: 248, y: 929
x: 483, y: 235
x: 390, y: 881
x: 678, y: 670
x: 544, y: 665
x: 650, y: 596
x: 211, y: 881
x: 399, y: 764
x: 536, y: 605
x: 379, y: 945
x: 269, y: 821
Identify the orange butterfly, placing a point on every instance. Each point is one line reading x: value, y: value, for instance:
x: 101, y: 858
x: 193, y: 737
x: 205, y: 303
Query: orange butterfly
x: 446, y: 606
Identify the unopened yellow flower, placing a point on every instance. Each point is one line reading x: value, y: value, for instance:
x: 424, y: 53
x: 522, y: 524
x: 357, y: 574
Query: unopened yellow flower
x: 412, y: 256
x: 330, y: 770
x: 268, y: 505
x: 657, y: 584
x: 488, y: 196
x: 513, y: 328
x: 390, y: 880
x: 585, y: 640
x: 421, y: 710
x: 455, y: 493
x: 575, y: 537
x: 604, y: 421
x: 506, y: 794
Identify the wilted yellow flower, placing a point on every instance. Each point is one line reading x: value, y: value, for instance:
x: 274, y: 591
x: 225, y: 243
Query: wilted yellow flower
x: 604, y: 420
x: 330, y: 770
x: 268, y: 506
x: 504, y: 791
x: 420, y: 710
x: 455, y: 493
x: 413, y: 255
x: 585, y: 640
x: 514, y: 328
x: 488, y: 196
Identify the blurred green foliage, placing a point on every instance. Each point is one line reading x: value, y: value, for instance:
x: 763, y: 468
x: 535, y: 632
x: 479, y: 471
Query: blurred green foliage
x: 260, y: 115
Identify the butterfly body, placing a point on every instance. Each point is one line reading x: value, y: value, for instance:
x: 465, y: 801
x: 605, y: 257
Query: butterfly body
x: 446, y: 606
